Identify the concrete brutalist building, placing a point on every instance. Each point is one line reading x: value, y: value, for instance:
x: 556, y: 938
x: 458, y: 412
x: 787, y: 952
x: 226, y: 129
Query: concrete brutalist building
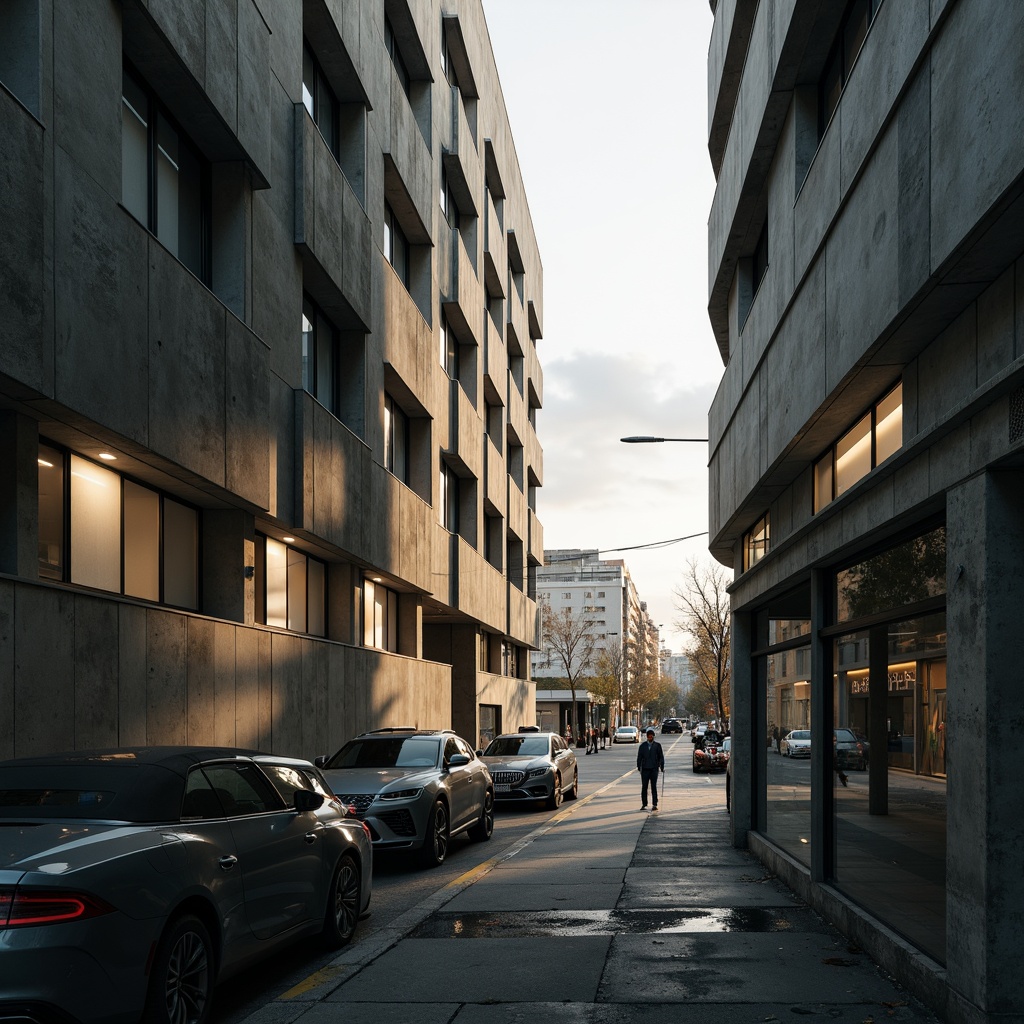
x: 866, y: 283
x: 269, y: 304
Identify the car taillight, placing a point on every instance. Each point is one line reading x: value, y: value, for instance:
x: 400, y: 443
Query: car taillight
x: 27, y: 907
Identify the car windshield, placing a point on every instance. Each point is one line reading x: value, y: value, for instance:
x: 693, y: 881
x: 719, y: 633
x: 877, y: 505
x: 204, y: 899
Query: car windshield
x: 387, y: 752
x: 517, y: 746
x: 800, y: 734
x: 845, y: 736
x: 626, y: 730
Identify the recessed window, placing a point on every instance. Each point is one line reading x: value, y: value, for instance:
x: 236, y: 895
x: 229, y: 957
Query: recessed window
x: 449, y: 499
x: 756, y: 542
x: 396, y: 439
x: 396, y: 245
x: 291, y: 588
x: 98, y: 529
x: 849, y: 39
x: 395, y: 53
x: 380, y: 616
x: 320, y: 356
x: 319, y: 100
x: 164, y: 179
x: 876, y: 436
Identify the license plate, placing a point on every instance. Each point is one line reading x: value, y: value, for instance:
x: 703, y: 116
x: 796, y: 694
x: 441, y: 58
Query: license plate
x: 501, y: 787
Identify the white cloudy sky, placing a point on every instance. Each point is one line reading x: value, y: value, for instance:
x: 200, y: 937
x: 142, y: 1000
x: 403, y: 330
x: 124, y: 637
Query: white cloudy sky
x: 608, y: 106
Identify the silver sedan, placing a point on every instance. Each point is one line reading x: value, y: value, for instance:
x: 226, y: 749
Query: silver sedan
x: 132, y: 880
x: 532, y: 766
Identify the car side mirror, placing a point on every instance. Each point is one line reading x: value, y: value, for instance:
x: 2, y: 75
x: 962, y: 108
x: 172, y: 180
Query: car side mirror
x: 458, y: 760
x: 320, y: 761
x: 479, y: 753
x: 307, y: 800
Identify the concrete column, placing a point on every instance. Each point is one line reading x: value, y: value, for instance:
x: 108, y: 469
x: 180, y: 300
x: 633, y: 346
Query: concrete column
x: 229, y: 590
x: 19, y: 495
x: 464, y: 682
x: 985, y: 801
x: 344, y: 594
x: 746, y: 711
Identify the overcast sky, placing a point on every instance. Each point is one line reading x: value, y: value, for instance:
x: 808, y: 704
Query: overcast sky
x: 608, y: 107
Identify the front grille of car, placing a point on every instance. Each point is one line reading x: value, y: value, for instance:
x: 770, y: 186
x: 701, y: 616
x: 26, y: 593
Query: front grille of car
x: 399, y: 821
x: 508, y: 778
x: 360, y: 801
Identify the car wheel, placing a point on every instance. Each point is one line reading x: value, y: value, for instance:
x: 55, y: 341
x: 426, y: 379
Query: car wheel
x: 574, y: 790
x: 182, y: 976
x: 694, y: 767
x: 435, y: 846
x: 555, y: 800
x: 482, y: 830
x: 342, y: 904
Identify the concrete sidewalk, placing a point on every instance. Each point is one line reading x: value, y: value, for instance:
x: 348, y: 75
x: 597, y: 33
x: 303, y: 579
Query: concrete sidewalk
x: 607, y: 914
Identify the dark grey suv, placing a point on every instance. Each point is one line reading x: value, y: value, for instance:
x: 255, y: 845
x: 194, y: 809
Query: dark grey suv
x: 415, y: 789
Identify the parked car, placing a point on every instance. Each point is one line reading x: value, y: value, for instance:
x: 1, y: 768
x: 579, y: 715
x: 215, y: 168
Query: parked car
x: 697, y: 731
x: 626, y: 734
x: 415, y: 789
x: 709, y: 754
x: 532, y: 766
x: 671, y: 725
x: 796, y: 743
x: 133, y: 880
x: 850, y: 751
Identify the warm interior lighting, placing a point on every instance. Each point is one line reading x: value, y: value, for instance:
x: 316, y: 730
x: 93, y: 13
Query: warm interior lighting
x: 43, y: 462
x: 107, y: 457
x: 288, y: 540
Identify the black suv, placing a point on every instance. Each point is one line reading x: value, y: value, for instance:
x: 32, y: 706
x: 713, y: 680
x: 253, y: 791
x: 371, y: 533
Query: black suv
x: 671, y: 725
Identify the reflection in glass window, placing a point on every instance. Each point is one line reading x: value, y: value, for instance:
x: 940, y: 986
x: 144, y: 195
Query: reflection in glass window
x: 788, y: 806
x: 320, y: 356
x: 756, y: 542
x: 396, y: 439
x: 910, y: 572
x: 380, y: 616
x: 51, y: 513
x: 319, y: 100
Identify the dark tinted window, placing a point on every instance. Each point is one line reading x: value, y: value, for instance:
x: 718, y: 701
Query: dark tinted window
x: 517, y: 746
x: 387, y: 752
x: 242, y: 789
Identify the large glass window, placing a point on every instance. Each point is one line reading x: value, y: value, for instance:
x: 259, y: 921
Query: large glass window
x: 99, y: 529
x: 290, y: 588
x: 876, y: 436
x: 164, y: 179
x: 449, y: 499
x: 756, y: 542
x: 396, y: 246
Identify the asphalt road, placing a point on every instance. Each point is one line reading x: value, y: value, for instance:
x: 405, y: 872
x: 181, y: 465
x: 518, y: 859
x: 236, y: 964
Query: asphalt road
x: 399, y: 885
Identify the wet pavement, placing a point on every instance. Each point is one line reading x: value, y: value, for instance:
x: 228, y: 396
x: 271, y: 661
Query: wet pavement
x: 607, y: 915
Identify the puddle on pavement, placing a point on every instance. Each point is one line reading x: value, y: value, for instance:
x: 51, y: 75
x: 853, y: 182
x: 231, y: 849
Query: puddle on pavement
x: 605, y: 922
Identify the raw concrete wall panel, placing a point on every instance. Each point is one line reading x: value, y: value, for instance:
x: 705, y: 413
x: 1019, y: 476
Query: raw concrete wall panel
x: 95, y: 673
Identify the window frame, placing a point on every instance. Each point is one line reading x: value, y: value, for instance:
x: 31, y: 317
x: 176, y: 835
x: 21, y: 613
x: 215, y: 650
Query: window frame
x: 396, y: 246
x: 311, y: 355
x: 321, y: 95
x: 396, y: 439
x: 262, y: 576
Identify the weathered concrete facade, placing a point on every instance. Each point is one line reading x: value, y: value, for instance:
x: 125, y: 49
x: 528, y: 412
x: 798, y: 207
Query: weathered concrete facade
x: 349, y: 175
x: 862, y: 239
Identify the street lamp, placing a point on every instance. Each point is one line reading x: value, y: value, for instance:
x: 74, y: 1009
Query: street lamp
x: 647, y: 439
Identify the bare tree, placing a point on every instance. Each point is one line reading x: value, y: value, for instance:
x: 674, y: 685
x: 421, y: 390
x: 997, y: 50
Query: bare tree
x: 703, y: 602
x: 571, y: 639
x: 607, y: 680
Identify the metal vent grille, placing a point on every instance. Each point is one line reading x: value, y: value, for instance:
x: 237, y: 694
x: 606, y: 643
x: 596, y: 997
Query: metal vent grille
x: 1017, y: 415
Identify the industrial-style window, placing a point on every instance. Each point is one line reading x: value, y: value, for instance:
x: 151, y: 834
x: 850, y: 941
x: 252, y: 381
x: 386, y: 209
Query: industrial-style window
x: 877, y: 435
x: 396, y: 245
x: 291, y: 588
x: 165, y: 182
x: 380, y: 616
x: 320, y: 356
x: 319, y: 99
x: 852, y: 32
x: 756, y: 542
x: 99, y: 529
x: 396, y: 439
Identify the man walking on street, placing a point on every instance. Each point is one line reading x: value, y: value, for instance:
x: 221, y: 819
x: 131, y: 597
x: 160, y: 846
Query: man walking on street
x: 650, y: 759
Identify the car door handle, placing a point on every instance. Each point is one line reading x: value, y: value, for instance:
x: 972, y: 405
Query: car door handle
x: 310, y: 837
x: 228, y: 862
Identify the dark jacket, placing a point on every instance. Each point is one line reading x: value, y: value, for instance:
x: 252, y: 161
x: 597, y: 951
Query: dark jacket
x: 650, y: 757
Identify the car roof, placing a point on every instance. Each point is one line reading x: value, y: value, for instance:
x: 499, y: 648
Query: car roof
x: 403, y: 731
x: 525, y: 734
x: 177, y: 758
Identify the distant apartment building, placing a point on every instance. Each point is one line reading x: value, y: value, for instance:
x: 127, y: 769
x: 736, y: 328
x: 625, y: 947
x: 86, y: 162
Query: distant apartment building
x: 866, y: 269
x: 270, y: 300
x: 602, y: 591
x: 679, y: 669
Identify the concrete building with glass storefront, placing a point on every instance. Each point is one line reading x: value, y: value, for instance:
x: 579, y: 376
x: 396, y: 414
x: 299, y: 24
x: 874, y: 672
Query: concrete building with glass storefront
x: 866, y: 290
x: 270, y: 299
